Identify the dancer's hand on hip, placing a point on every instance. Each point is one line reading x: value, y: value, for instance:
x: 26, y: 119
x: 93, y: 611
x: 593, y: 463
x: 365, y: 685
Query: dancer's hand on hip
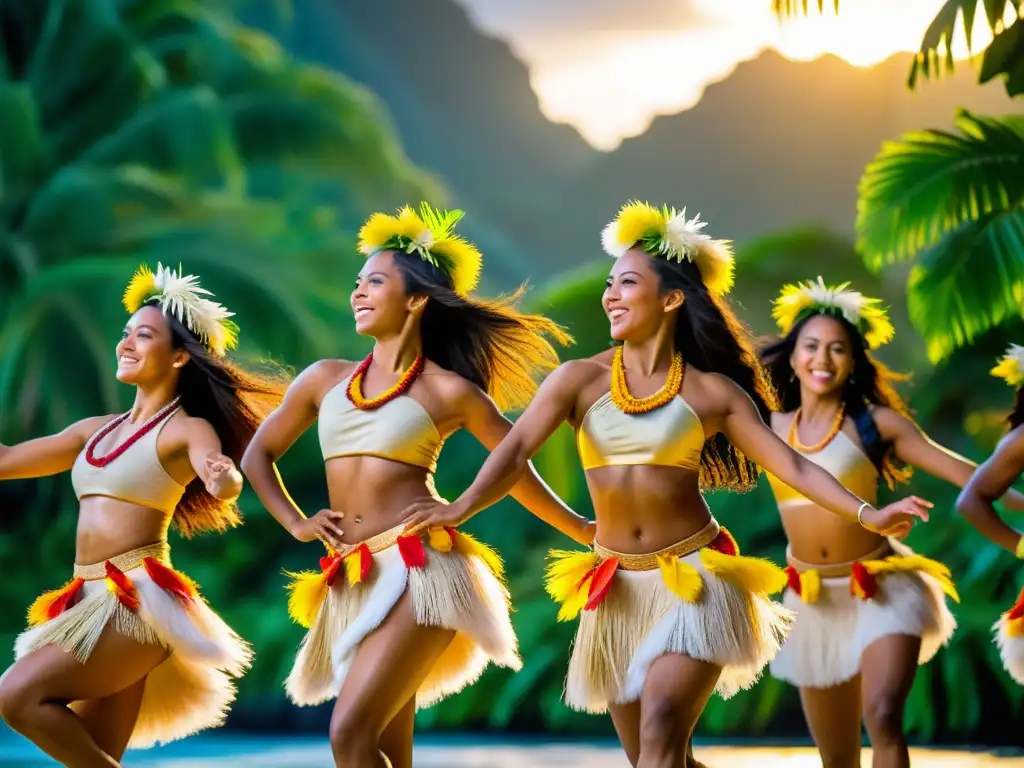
x: 430, y: 513
x: 323, y: 526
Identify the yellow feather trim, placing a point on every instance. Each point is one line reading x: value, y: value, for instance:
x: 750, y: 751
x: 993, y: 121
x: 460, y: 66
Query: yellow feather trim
x: 564, y: 575
x: 141, y: 288
x: 307, y: 592
x: 430, y: 234
x: 914, y: 564
x: 467, y: 546
x: 862, y: 312
x: 682, y: 579
x: 810, y: 586
x: 1011, y: 366
x: 38, y: 612
x: 440, y: 539
x: 572, y: 607
x: 749, y: 574
x: 353, y: 569
x: 1012, y: 627
x: 637, y: 221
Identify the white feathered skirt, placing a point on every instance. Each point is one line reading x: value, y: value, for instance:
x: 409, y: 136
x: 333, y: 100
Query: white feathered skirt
x: 1009, y: 633
x: 843, y: 608
x: 453, y: 581
x: 698, y: 598
x: 142, y: 597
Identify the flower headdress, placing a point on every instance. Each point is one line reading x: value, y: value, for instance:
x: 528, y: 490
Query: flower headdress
x: 182, y: 296
x: 429, y: 234
x: 802, y: 300
x: 669, y: 233
x: 1011, y: 366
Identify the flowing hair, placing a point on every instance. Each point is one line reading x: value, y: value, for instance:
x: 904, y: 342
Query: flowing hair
x: 870, y: 383
x: 712, y: 339
x: 234, y: 401
x: 489, y: 342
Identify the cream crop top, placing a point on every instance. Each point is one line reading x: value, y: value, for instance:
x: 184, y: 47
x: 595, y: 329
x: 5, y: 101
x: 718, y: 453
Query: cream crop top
x: 845, y: 461
x: 136, y: 476
x: 669, y: 436
x: 400, y: 430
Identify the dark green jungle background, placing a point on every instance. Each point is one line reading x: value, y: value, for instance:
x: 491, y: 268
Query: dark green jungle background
x: 247, y: 141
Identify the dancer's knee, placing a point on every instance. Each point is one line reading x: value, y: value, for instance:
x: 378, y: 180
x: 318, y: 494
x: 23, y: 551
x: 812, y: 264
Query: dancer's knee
x: 353, y: 738
x: 883, y: 718
x: 663, y: 735
x: 17, y: 699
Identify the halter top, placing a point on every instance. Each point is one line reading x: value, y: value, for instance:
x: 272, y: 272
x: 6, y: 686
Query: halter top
x: 670, y: 436
x: 845, y: 461
x: 136, y: 476
x: 400, y: 430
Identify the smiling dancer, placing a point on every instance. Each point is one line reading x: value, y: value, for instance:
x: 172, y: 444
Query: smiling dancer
x: 990, y: 482
x: 669, y: 610
x: 399, y: 621
x: 127, y: 653
x: 869, y: 610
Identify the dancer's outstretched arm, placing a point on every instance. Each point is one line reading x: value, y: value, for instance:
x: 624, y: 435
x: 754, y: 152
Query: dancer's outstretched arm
x: 914, y: 447
x: 509, y: 462
x: 50, y: 455
x: 989, y: 483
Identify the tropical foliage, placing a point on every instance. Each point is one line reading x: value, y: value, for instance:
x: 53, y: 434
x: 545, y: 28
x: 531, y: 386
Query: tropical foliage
x: 1000, y: 58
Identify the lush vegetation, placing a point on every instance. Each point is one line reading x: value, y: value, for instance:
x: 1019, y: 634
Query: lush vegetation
x: 208, y: 145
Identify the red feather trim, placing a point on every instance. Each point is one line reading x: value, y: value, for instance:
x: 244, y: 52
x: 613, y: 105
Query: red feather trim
x: 1016, y: 613
x: 601, y: 582
x: 793, y: 580
x: 123, y: 587
x: 412, y: 550
x: 863, y: 583
x: 365, y: 560
x: 169, y: 579
x: 53, y: 604
x: 725, y: 543
x: 329, y: 566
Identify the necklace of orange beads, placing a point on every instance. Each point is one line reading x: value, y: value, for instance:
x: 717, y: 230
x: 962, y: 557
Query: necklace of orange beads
x: 355, y: 385
x: 794, y: 432
x: 626, y: 403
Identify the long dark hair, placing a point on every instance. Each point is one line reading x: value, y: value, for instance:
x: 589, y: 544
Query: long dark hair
x: 1016, y: 417
x: 489, y: 342
x: 870, y: 383
x: 712, y: 339
x: 234, y: 401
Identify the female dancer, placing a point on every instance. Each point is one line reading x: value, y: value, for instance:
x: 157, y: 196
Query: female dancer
x: 127, y: 652
x: 437, y: 608
x: 990, y: 482
x: 670, y: 612
x: 868, y: 610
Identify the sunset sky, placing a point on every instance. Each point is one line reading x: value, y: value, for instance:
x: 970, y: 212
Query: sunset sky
x: 608, y: 67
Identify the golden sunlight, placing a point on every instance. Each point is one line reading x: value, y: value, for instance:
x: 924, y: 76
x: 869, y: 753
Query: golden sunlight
x: 611, y: 82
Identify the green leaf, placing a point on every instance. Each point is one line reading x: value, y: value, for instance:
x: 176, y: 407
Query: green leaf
x: 970, y: 281
x: 1005, y: 57
x: 926, y: 183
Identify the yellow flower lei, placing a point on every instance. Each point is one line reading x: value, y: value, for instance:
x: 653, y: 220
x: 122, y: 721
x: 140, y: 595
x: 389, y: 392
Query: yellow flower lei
x: 626, y: 403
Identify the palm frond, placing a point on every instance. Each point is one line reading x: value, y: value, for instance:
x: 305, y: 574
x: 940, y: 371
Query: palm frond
x: 969, y: 282
x: 1005, y: 58
x: 927, y: 183
x: 936, y: 57
x: 785, y: 9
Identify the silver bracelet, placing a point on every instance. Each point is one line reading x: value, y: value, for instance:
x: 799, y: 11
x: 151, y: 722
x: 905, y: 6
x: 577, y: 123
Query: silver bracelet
x: 860, y: 512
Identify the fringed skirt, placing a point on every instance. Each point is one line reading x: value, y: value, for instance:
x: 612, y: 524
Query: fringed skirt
x: 142, y: 597
x: 1009, y: 632
x: 698, y: 598
x: 843, y: 608
x: 454, y: 582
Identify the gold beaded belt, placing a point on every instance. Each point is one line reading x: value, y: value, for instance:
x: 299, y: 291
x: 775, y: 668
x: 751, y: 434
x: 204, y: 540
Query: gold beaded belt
x: 837, y: 570
x: 649, y: 561
x: 377, y: 543
x: 161, y: 551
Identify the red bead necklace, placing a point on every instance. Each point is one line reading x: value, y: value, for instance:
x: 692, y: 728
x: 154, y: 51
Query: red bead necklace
x: 150, y: 424
x: 354, y: 388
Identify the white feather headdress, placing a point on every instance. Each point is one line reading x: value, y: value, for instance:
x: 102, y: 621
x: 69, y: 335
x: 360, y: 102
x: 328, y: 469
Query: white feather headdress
x: 182, y: 296
x: 796, y: 302
x: 1011, y: 366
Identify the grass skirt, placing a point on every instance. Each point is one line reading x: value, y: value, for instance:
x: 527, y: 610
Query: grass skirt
x: 141, y: 597
x: 1009, y: 635
x: 698, y: 598
x: 838, y: 617
x: 453, y: 581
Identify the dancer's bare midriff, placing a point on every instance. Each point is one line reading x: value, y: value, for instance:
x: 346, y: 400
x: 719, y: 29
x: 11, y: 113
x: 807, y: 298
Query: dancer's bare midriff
x: 642, y: 509
x: 821, y: 537
x: 108, y: 527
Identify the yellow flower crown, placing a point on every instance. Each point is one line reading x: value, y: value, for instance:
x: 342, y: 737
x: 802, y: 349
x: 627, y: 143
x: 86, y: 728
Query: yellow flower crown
x: 802, y: 300
x: 182, y: 296
x: 431, y: 235
x: 1011, y: 366
x: 669, y: 233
